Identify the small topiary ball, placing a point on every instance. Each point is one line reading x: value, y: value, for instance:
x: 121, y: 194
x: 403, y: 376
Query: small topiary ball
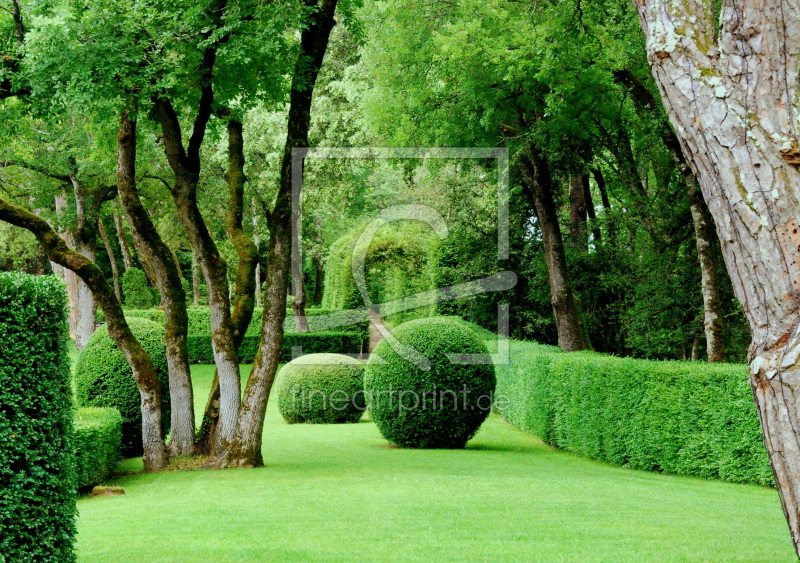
x: 321, y: 389
x: 103, y: 378
x: 441, y: 407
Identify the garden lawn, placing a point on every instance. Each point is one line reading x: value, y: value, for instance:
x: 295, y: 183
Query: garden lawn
x: 339, y: 493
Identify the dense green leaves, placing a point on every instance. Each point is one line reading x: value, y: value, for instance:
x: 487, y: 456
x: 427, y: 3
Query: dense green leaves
x: 98, y: 440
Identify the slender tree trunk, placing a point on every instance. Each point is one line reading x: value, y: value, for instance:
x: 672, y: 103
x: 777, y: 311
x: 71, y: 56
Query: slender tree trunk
x: 300, y: 296
x: 578, y: 211
x: 112, y: 259
x: 127, y: 260
x: 731, y: 95
x: 538, y: 183
x: 150, y: 245
x: 245, y: 448
x: 587, y: 189
x: 86, y: 305
x: 195, y: 281
x: 144, y: 372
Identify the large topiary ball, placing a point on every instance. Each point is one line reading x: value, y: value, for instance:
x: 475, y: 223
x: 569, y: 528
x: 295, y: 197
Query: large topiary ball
x: 103, y: 378
x: 439, y: 407
x: 321, y: 389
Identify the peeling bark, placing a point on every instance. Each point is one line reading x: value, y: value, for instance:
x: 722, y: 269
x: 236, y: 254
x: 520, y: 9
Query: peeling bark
x: 732, y: 96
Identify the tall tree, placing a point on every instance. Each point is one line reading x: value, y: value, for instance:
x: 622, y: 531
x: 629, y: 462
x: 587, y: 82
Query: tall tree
x: 731, y: 94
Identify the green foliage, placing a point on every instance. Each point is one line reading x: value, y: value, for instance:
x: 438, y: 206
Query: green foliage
x: 37, y: 462
x: 677, y: 417
x: 333, y: 342
x: 98, y: 439
x: 135, y: 290
x: 321, y: 389
x: 442, y: 407
x: 399, y: 262
x: 103, y: 378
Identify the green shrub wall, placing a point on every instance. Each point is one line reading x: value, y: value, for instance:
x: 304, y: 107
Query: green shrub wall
x: 686, y: 418
x: 333, y: 342
x: 98, y: 442
x: 37, y: 461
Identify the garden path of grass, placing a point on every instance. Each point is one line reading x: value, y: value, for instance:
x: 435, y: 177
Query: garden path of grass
x: 338, y: 493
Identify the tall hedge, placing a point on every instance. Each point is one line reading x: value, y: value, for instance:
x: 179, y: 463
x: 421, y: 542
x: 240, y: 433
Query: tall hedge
x: 103, y: 378
x: 37, y: 462
x: 686, y: 418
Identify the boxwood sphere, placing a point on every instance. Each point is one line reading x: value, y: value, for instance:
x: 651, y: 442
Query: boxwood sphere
x: 103, y: 378
x: 441, y: 407
x: 321, y: 389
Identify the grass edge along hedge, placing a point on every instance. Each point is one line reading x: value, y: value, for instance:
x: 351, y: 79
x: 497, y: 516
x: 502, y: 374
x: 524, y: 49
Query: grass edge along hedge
x: 37, y: 462
x: 98, y: 441
x: 685, y: 418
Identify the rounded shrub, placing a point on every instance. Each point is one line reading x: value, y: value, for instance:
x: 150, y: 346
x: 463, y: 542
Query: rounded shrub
x: 136, y: 291
x: 321, y: 389
x: 103, y: 378
x: 417, y: 395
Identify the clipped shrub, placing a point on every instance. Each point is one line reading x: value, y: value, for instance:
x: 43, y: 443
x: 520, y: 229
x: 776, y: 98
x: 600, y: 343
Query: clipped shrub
x: 135, y: 290
x: 686, y: 418
x: 37, y: 461
x: 439, y: 407
x: 332, y: 342
x: 321, y: 389
x: 98, y: 441
x: 103, y: 378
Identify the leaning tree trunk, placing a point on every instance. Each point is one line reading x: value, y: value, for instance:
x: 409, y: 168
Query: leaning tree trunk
x: 536, y: 174
x: 127, y: 259
x: 731, y: 95
x: 112, y: 258
x: 144, y: 372
x: 176, y: 320
x: 245, y: 448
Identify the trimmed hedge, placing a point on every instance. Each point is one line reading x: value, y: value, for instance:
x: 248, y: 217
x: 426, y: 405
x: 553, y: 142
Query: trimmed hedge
x: 135, y: 290
x: 200, y: 320
x: 201, y: 352
x: 98, y: 441
x: 37, y: 460
x: 321, y: 389
x: 441, y: 407
x: 686, y: 418
x: 103, y: 378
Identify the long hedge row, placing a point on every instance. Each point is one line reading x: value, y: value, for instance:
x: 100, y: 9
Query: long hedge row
x: 686, y: 418
x: 329, y: 342
x: 98, y: 439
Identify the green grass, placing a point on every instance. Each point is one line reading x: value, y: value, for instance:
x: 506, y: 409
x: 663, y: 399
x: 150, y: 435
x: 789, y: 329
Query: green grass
x: 338, y: 493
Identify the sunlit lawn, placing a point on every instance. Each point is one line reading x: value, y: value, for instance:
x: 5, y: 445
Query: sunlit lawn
x: 338, y: 493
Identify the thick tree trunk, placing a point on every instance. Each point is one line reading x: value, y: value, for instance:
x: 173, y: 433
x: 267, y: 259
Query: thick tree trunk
x: 112, y: 258
x: 578, y: 211
x: 186, y: 166
x: 538, y: 183
x: 144, y: 372
x: 245, y: 448
x: 731, y: 95
x: 150, y: 245
x: 709, y: 279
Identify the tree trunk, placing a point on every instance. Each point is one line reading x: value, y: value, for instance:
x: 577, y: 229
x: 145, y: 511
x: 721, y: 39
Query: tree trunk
x: 731, y: 95
x: 185, y: 163
x: 86, y: 306
x: 538, y: 184
x: 709, y: 280
x: 112, y: 259
x: 150, y: 245
x: 195, y: 281
x: 127, y: 260
x: 577, y: 211
x: 144, y: 372
x: 245, y: 448
x: 587, y: 190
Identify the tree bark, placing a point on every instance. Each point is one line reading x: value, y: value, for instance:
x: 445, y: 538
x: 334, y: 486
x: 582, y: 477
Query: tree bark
x: 245, y: 448
x: 731, y: 96
x: 127, y: 259
x: 538, y: 184
x: 112, y: 258
x: 578, y: 211
x: 144, y: 372
x: 151, y: 246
